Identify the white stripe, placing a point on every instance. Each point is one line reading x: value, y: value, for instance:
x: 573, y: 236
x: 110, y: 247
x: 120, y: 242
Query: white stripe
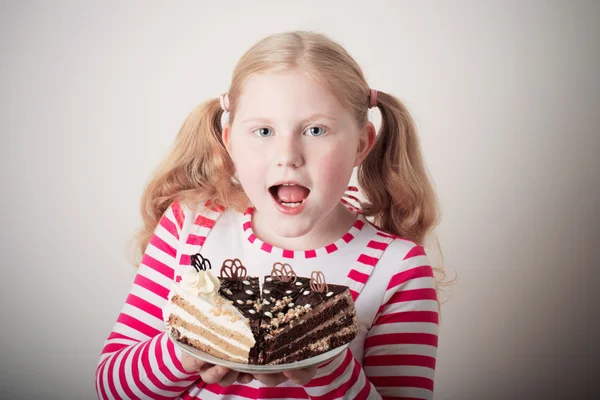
x: 332, y: 366
x: 413, y: 305
x: 416, y: 283
x: 148, y: 295
x: 156, y: 277
x: 399, y: 370
x: 128, y: 331
x: 143, y: 316
x: 405, y: 327
x: 343, y: 378
x: 355, y: 389
x: 129, y: 373
x: 166, y: 235
x: 416, y: 349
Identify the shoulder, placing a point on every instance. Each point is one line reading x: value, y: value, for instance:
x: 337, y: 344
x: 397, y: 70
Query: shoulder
x: 393, y: 246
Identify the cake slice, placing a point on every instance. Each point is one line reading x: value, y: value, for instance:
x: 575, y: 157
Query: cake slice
x: 197, y: 314
x: 305, y: 317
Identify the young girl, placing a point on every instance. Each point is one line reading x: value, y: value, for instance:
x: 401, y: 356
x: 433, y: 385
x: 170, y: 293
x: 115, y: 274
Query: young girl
x: 268, y: 186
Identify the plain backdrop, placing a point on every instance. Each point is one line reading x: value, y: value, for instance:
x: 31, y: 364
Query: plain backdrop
x: 506, y: 99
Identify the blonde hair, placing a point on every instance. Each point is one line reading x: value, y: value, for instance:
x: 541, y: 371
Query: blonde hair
x: 399, y: 196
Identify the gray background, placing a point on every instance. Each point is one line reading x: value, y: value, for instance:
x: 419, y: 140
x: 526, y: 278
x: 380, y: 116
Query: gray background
x: 506, y: 98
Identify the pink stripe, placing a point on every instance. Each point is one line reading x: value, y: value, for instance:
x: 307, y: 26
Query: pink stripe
x: 144, y: 305
x: 354, y: 294
x: 152, y: 286
x: 251, y: 238
x: 401, y: 338
x: 328, y: 379
x: 247, y: 225
x: 403, y: 381
x: 249, y: 211
x: 373, y: 244
x: 424, y: 271
x: 288, y: 254
x: 169, y: 226
x: 408, y: 316
x: 111, y: 382
x: 178, y: 212
x: 359, y: 224
x: 162, y: 245
x: 394, y: 360
x: 185, y: 259
x: 137, y: 325
x: 113, y: 348
x: 201, y: 220
x: 415, y: 251
x: 348, y: 237
x: 266, y: 247
x: 410, y: 295
x: 365, y: 392
x: 310, y: 253
x: 331, y: 248
x: 158, y: 266
x: 368, y: 260
x: 358, y: 276
x: 195, y: 240
x: 123, y: 377
x: 289, y: 392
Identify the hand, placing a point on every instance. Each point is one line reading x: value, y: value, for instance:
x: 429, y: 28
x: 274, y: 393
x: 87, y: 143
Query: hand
x: 298, y: 376
x: 213, y: 373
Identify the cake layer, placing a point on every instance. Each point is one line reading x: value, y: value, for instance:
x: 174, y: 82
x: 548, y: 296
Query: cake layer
x: 345, y: 323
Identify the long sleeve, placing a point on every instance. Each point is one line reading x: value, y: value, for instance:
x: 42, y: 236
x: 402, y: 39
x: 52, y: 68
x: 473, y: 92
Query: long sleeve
x: 138, y: 360
x: 400, y: 348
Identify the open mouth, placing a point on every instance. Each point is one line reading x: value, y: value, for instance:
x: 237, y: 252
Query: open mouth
x: 289, y: 194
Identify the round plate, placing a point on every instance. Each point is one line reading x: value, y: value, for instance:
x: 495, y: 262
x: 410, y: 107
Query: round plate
x: 260, y: 369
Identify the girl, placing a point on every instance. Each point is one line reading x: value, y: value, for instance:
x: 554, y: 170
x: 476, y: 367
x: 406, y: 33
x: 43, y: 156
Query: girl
x: 268, y: 186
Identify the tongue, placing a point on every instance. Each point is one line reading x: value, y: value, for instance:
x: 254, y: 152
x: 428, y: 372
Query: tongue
x: 292, y: 194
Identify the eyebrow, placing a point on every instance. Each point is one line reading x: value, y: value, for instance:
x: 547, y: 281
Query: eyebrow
x: 311, y: 118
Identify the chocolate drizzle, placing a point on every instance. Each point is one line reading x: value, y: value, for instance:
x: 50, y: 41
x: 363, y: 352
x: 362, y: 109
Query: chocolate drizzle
x: 200, y: 263
x: 233, y: 269
x: 283, y: 272
x: 317, y: 282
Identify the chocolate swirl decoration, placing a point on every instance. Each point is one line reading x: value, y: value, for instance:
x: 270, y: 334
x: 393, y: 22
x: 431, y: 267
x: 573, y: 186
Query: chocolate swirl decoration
x: 233, y: 269
x: 200, y: 263
x: 283, y: 272
x: 317, y: 282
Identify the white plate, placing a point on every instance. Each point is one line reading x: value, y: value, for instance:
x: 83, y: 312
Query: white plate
x: 260, y: 369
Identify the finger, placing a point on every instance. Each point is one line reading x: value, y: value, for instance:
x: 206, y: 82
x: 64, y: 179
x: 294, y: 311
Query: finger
x: 245, y: 378
x: 229, y: 378
x: 301, y: 376
x: 271, y: 379
x: 213, y: 374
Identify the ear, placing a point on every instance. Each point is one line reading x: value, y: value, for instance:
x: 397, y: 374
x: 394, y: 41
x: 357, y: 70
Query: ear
x: 226, y: 136
x: 366, y: 141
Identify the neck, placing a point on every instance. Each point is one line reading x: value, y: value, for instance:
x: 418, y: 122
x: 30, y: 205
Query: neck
x: 326, y: 231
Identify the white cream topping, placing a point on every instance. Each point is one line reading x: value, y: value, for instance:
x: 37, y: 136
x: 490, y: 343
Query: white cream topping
x: 200, y: 282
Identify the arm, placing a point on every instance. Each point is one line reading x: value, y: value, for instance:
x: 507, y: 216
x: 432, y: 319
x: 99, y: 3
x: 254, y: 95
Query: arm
x: 400, y: 348
x: 139, y: 360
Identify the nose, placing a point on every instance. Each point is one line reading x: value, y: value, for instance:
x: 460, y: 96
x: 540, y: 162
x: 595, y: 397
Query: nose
x: 289, y: 151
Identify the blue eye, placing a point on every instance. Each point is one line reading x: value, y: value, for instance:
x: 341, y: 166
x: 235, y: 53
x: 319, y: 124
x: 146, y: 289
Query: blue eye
x: 315, y: 131
x: 263, y: 132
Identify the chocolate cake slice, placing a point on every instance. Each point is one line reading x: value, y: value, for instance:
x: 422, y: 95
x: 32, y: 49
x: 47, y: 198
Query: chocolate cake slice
x: 303, y: 317
x: 244, y: 292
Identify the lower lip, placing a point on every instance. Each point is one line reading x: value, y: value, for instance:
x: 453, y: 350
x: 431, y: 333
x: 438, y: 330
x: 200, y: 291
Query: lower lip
x: 289, y: 210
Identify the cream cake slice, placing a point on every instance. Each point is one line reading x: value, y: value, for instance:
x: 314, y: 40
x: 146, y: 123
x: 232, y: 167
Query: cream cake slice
x: 197, y: 315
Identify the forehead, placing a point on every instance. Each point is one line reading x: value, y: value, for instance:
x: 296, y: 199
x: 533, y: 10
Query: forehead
x: 289, y: 94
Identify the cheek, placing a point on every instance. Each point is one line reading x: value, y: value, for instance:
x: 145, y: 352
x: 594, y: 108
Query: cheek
x: 334, y: 170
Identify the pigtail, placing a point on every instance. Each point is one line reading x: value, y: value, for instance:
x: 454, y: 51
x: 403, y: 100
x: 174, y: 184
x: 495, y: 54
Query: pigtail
x: 196, y: 168
x: 400, y: 196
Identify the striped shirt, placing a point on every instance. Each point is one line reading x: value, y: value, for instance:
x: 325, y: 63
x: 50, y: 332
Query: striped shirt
x: 390, y: 280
